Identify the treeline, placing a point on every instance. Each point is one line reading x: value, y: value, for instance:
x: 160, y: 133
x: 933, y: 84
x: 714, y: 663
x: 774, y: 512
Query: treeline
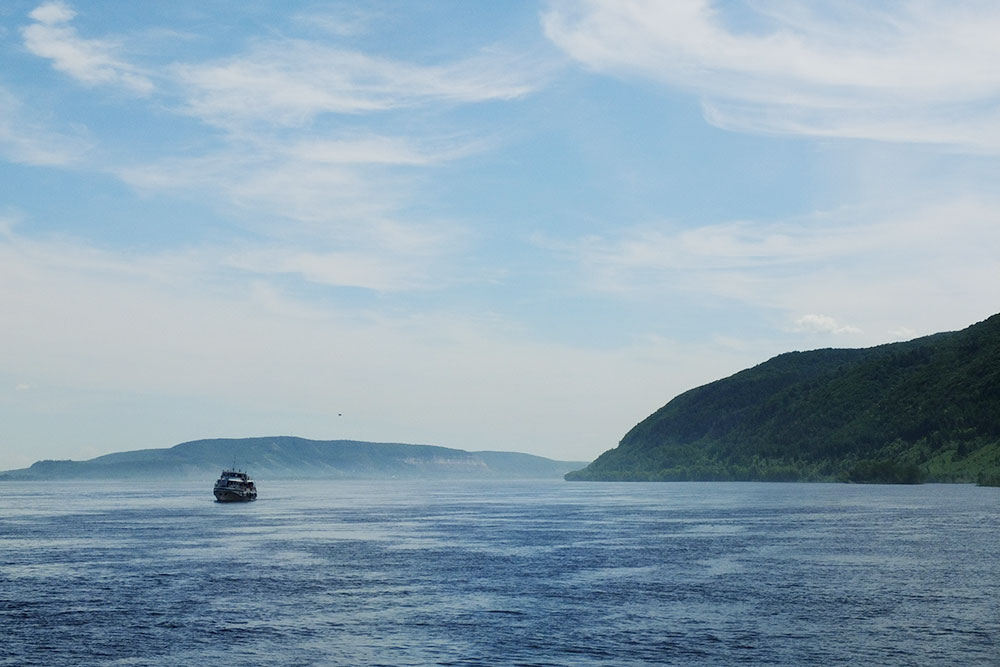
x: 861, y: 472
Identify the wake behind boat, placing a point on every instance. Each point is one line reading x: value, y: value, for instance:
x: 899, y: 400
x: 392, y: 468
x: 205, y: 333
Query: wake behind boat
x: 234, y: 486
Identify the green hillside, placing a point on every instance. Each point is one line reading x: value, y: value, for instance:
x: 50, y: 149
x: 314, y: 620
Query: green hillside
x: 923, y: 410
x: 290, y: 457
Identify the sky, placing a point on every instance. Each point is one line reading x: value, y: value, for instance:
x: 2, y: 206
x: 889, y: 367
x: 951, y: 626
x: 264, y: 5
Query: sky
x: 518, y: 226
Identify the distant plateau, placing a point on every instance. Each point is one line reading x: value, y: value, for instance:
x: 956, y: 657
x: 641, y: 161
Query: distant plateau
x: 285, y: 457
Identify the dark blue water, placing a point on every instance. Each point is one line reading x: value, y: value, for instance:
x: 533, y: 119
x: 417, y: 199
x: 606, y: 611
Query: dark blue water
x: 553, y: 573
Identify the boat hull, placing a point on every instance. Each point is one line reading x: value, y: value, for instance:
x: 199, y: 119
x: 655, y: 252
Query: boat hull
x: 233, y: 496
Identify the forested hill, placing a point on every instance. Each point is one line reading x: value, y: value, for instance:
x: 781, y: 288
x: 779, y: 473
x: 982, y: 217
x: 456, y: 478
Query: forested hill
x: 927, y: 409
x: 289, y: 457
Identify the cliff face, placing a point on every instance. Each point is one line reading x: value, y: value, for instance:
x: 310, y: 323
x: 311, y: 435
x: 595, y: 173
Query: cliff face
x: 924, y: 409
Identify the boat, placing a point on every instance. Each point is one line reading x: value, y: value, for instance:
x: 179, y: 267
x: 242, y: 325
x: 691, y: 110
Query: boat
x: 234, y: 486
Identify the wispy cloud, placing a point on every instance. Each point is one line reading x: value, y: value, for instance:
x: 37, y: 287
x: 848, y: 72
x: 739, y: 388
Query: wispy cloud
x: 292, y: 82
x: 337, y: 201
x: 813, y: 323
x: 376, y: 150
x: 90, y: 61
x: 909, y: 71
x: 377, y: 269
x: 345, y: 21
x: 327, y: 195
x: 867, y: 267
x: 323, y: 179
x: 27, y: 140
x: 339, y: 165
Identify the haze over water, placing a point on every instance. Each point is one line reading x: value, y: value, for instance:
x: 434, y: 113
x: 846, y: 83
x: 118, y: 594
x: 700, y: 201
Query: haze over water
x: 528, y: 573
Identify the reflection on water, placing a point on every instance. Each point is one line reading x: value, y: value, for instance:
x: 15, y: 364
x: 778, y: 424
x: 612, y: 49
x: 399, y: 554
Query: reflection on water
x: 495, y: 573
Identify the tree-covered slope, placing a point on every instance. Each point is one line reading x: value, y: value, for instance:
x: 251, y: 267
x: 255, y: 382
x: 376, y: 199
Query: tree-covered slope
x: 924, y: 409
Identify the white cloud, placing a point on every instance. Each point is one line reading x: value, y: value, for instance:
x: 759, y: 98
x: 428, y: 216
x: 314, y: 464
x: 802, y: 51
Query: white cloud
x: 913, y: 269
x: 382, y: 272
x: 909, y: 71
x: 52, y: 13
x: 269, y: 179
x: 329, y: 193
x: 26, y: 140
x: 342, y: 22
x: 284, y: 82
x: 823, y: 324
x: 337, y: 200
x: 329, y: 207
x: 292, y: 82
x: 375, y: 149
x: 90, y: 61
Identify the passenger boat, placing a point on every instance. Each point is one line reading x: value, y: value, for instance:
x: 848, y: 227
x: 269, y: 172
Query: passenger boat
x: 234, y: 486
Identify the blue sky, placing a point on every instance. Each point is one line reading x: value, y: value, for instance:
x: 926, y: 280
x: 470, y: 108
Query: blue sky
x: 519, y: 226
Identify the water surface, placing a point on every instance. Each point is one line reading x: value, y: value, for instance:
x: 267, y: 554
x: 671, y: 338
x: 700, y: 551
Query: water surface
x: 492, y: 573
